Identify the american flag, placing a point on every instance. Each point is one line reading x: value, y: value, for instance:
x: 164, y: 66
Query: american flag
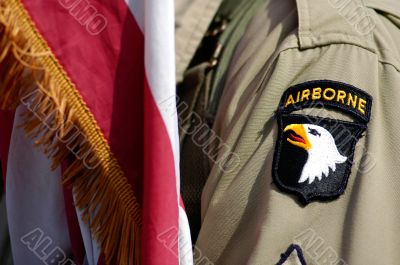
x: 88, y: 97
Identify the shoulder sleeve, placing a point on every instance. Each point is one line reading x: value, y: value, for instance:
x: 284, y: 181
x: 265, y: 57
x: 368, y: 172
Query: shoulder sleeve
x: 313, y: 127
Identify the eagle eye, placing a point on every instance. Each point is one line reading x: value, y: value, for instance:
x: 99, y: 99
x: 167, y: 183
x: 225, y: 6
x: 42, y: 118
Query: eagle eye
x: 314, y: 132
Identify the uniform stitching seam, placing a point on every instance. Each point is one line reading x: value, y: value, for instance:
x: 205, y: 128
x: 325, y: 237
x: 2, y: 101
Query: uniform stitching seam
x: 380, y: 60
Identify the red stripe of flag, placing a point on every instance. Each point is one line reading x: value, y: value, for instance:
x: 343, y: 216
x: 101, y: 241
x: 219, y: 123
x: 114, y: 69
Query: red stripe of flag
x: 108, y: 70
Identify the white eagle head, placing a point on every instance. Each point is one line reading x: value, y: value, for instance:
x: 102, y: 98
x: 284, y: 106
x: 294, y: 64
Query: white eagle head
x: 321, y: 147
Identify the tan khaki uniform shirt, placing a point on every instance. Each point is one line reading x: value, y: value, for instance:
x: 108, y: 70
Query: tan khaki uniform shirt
x: 247, y: 219
x: 192, y: 18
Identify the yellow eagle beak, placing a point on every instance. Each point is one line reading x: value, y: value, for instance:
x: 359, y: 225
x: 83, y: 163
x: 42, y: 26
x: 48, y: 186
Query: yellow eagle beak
x: 298, y: 136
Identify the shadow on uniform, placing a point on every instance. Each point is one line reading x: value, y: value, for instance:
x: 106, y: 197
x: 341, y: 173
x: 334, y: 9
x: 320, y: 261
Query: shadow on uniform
x: 5, y: 248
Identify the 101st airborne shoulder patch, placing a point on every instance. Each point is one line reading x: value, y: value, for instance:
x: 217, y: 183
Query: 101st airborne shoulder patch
x: 314, y: 155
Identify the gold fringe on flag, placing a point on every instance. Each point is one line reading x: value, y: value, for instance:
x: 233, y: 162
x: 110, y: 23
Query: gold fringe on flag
x: 58, y: 120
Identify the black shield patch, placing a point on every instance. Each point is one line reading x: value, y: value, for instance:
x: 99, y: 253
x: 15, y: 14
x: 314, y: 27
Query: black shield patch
x: 314, y: 155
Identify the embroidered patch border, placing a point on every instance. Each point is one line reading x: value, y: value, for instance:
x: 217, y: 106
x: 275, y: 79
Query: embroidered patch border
x: 289, y: 251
